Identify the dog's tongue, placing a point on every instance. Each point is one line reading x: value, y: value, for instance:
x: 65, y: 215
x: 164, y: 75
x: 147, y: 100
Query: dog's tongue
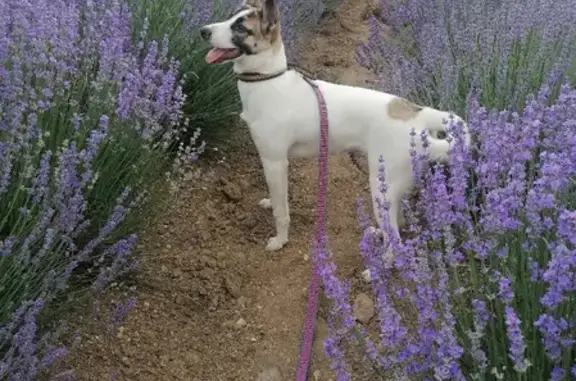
x: 216, y: 55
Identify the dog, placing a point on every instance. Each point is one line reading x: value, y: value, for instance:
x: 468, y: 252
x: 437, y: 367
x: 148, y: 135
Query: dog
x: 281, y: 111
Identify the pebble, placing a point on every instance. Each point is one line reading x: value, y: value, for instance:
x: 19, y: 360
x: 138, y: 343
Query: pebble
x: 232, y: 191
x: 241, y: 323
x: 363, y: 308
x: 242, y: 301
x: 270, y: 373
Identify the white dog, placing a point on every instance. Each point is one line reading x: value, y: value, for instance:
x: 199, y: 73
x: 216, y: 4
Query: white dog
x: 281, y: 110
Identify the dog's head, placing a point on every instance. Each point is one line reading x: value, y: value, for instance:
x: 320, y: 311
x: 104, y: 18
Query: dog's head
x: 251, y: 29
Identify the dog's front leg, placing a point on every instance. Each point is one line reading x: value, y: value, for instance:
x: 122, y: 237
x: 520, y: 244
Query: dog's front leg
x: 276, y: 173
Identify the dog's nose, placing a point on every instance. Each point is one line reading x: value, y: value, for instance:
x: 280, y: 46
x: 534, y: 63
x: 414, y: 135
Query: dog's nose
x: 205, y: 33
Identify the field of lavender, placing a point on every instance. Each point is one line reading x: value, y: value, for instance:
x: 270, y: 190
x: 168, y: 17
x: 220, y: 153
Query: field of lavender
x: 484, y: 283
x: 106, y: 103
x: 102, y: 106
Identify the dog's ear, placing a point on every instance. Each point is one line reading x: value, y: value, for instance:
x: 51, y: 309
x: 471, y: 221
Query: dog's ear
x: 270, y: 15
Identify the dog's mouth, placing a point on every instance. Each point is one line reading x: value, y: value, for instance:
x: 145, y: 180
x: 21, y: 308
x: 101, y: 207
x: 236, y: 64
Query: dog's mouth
x: 217, y: 55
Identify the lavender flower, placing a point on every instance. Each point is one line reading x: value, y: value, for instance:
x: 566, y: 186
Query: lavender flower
x: 517, y: 345
x: 466, y: 45
x: 505, y: 292
x: 120, y: 312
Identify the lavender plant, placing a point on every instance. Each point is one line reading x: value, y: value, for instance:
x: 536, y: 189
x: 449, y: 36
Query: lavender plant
x: 483, y: 286
x: 440, y: 51
x: 87, y: 114
x: 211, y: 100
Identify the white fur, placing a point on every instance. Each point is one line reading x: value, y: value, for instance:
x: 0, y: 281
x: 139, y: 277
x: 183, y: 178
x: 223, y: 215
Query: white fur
x: 283, y: 117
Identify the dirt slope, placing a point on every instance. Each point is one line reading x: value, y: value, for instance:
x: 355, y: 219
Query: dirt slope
x: 212, y: 303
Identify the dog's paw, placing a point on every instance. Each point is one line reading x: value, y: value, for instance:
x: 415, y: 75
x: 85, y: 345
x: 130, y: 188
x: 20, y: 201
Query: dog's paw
x: 265, y: 203
x: 275, y: 244
x: 366, y: 276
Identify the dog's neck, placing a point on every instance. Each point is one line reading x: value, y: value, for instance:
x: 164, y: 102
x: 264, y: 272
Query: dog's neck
x: 269, y: 62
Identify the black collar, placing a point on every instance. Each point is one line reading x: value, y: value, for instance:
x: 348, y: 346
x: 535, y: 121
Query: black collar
x: 259, y: 77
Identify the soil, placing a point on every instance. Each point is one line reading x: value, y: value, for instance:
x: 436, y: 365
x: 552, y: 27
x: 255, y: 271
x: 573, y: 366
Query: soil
x: 212, y: 303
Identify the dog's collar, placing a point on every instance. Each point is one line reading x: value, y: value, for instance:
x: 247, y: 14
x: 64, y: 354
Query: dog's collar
x: 259, y: 77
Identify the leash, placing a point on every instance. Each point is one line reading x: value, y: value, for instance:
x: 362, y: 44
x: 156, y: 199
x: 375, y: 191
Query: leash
x: 320, y: 234
x: 320, y: 228
x: 320, y: 242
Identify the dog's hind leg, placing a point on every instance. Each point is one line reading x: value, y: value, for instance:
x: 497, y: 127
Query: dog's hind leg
x: 276, y: 173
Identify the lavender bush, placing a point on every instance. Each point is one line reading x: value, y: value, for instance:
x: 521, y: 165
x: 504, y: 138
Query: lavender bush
x: 91, y: 108
x: 441, y: 50
x: 211, y: 99
x: 87, y: 114
x: 483, y: 286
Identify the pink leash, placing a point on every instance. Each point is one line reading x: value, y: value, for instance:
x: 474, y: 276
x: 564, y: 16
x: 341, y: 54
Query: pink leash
x: 320, y: 233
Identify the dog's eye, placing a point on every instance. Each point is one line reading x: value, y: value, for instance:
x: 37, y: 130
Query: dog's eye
x: 441, y: 135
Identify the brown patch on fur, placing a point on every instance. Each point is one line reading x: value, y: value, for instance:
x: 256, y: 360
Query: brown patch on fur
x: 262, y: 29
x: 403, y: 109
x: 274, y: 36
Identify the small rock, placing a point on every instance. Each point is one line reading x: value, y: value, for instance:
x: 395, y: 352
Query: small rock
x: 240, y: 323
x: 232, y: 286
x: 249, y: 222
x: 232, y: 191
x: 270, y: 373
x: 316, y: 375
x: 363, y: 308
x: 242, y: 301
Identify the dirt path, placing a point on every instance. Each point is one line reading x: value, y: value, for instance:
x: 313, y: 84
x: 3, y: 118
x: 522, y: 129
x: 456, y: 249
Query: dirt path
x: 212, y: 303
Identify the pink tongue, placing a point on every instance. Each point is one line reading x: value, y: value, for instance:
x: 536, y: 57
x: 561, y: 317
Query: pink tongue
x: 215, y: 55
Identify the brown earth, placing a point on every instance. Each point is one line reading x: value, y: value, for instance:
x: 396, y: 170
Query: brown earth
x: 212, y: 303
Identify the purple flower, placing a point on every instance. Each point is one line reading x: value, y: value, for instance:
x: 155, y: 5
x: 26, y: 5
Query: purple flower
x: 480, y: 312
x: 517, y: 347
x: 560, y: 275
x: 505, y: 290
x: 120, y: 312
x: 554, y: 331
x: 567, y: 226
x: 557, y: 374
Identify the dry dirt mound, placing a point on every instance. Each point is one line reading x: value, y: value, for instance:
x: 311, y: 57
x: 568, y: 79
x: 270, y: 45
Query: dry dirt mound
x: 213, y: 304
